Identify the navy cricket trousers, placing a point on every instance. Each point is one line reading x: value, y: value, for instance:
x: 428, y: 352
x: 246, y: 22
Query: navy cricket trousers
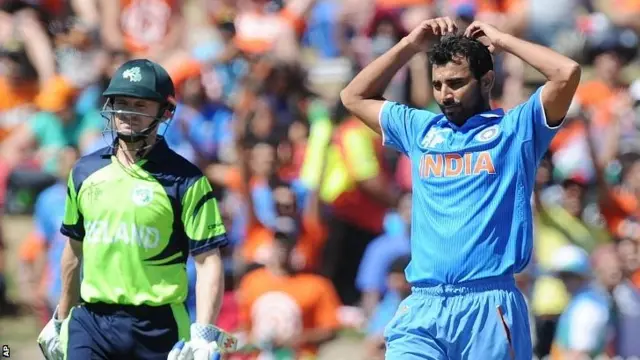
x: 104, y: 331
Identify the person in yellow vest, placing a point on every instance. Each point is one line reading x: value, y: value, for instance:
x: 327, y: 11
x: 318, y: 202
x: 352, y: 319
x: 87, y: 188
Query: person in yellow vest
x: 359, y: 190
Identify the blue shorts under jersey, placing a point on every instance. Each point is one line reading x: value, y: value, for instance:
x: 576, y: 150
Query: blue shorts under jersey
x: 471, y: 222
x: 482, y: 319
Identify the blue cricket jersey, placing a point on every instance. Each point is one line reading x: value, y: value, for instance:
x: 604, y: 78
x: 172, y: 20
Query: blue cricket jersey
x: 471, y: 190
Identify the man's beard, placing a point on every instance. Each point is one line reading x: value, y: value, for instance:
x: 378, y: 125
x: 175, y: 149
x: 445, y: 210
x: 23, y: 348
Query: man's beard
x: 466, y: 111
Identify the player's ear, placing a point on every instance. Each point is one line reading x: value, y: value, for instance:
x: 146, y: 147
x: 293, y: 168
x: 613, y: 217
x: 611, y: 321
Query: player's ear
x: 487, y: 81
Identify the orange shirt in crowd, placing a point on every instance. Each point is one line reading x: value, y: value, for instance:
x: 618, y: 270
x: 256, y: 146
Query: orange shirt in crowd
x: 256, y: 32
x: 256, y: 247
x: 283, y: 307
x: 14, y: 97
x: 497, y: 6
x: 146, y: 23
x: 618, y: 206
x: 599, y: 97
x: 402, y: 3
x: 627, y: 5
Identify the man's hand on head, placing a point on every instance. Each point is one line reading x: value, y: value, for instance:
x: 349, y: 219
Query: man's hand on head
x: 428, y: 31
x: 487, y: 34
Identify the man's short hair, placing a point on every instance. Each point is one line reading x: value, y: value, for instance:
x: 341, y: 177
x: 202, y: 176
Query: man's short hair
x: 451, y: 47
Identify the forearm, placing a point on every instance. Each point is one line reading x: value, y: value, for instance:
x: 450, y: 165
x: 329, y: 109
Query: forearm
x: 373, y: 80
x: 70, y: 294
x: 209, y: 288
x: 554, y: 66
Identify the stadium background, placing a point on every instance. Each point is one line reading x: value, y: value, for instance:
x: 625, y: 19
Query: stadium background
x: 265, y: 76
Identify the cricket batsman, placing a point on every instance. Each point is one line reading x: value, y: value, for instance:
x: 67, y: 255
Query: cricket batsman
x: 473, y: 171
x: 134, y: 212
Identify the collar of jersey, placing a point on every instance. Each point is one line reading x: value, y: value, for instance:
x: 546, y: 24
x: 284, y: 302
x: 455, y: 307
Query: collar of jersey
x: 157, y: 154
x: 474, y: 121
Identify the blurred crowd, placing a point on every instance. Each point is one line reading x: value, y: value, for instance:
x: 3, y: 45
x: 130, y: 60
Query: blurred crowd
x: 318, y: 213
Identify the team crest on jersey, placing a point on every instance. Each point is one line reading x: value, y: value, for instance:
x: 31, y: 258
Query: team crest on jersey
x: 133, y: 74
x: 433, y: 138
x: 142, y: 195
x: 488, y: 134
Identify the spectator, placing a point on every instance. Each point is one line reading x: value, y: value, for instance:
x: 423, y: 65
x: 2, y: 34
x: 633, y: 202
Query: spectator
x: 152, y: 29
x: 356, y: 179
x: 564, y: 224
x: 381, y: 252
x: 42, y: 251
x: 627, y: 301
x: 399, y: 289
x: 283, y: 310
x: 23, y: 26
x: 201, y: 129
x: 56, y: 125
x: 587, y: 327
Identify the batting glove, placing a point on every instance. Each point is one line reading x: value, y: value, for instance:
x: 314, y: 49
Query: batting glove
x: 207, y: 343
x: 49, y: 339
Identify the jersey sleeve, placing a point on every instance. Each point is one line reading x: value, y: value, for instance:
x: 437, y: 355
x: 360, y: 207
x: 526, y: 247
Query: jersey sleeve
x: 72, y: 224
x: 201, y: 218
x: 401, y: 124
x: 532, y: 123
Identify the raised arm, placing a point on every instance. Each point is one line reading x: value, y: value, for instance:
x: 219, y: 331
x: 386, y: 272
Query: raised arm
x: 562, y: 73
x: 363, y: 96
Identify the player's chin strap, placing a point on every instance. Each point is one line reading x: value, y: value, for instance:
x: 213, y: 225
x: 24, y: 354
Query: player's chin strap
x: 139, y: 136
x: 165, y: 111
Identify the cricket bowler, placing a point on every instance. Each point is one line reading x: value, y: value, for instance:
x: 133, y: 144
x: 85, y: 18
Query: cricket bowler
x: 134, y: 212
x: 473, y: 171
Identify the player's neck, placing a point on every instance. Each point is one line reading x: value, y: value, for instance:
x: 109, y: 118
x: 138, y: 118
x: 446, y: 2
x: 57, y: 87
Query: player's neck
x: 130, y: 153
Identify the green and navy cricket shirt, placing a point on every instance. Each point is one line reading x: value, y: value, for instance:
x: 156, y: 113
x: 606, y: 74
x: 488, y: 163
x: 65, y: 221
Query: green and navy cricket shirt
x: 138, y: 224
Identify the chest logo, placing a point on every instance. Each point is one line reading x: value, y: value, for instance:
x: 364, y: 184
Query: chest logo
x: 434, y: 137
x: 142, y: 195
x: 488, y: 134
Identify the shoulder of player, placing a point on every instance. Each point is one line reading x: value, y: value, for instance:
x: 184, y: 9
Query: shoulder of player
x: 185, y: 168
x: 168, y: 164
x: 89, y: 164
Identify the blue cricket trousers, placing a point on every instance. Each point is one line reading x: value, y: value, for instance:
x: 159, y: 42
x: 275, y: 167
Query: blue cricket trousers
x: 105, y: 331
x: 483, y: 319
